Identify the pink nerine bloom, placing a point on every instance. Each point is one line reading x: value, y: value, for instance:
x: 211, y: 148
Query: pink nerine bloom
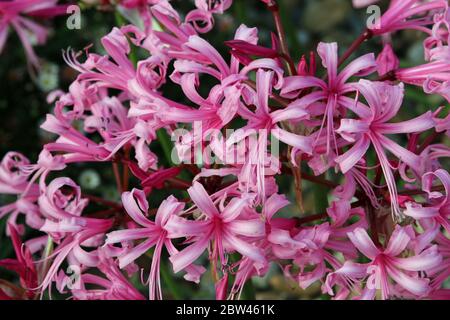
x: 370, y: 129
x: 223, y: 228
x: 433, y: 76
x: 154, y: 233
x: 12, y: 14
x: 387, y: 265
x: 114, y: 287
x: 407, y: 14
x: 332, y: 93
x: 62, y: 206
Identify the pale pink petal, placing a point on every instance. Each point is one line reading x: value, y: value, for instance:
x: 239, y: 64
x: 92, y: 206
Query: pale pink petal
x: 363, y: 243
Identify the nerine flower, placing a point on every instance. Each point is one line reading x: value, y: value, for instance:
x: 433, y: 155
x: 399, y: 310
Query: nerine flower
x: 222, y: 228
x: 387, y: 265
x: 115, y: 287
x: 433, y: 77
x: 62, y: 206
x: 17, y: 13
x: 439, y: 210
x: 154, y: 233
x: 372, y: 127
x: 407, y: 14
x: 332, y: 92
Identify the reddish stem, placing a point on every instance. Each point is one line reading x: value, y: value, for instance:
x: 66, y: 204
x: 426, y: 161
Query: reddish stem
x: 366, y: 35
x: 275, y: 9
x: 102, y: 201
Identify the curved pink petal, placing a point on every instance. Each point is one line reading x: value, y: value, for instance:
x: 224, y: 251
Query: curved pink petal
x: 363, y: 243
x: 398, y: 242
x: 202, y: 200
x: 135, y: 203
x: 349, y: 159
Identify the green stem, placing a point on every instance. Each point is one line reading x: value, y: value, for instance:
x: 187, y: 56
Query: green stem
x: 248, y: 293
x: 166, y: 144
x: 120, y: 22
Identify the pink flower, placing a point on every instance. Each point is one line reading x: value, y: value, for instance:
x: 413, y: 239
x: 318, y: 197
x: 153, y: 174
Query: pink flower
x: 13, y: 177
x: 12, y: 14
x: 223, y: 228
x: 387, y: 61
x: 432, y: 76
x: 62, y: 206
x: 370, y: 129
x: 407, y: 14
x: 76, y: 146
x: 309, y: 248
x: 23, y: 265
x: 114, y: 287
x: 436, y: 45
x: 439, y: 211
x: 154, y: 233
x: 332, y: 93
x: 202, y: 18
x: 388, y: 265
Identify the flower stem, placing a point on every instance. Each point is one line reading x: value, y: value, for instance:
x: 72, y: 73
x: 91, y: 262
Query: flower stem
x: 275, y: 9
x: 169, y: 281
x: 166, y: 144
x: 102, y: 201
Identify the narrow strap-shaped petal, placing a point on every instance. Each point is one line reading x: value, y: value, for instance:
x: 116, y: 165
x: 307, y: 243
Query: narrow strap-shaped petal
x: 136, y: 252
x: 349, y: 159
x: 417, y: 212
x: 398, y: 242
x: 135, y: 203
x: 289, y: 113
x: 419, y: 124
x: 427, y: 183
x: 263, y: 89
x: 248, y: 228
x: 427, y: 260
x: 295, y: 83
x: 202, y: 46
x: 266, y: 64
x: 130, y: 235
x: 273, y: 204
x: 403, y: 154
x: 358, y: 108
x: 201, y: 198
x: 417, y: 286
x: 361, y: 66
x: 187, y: 256
x: 328, y: 52
x: 170, y: 206
x: 302, y: 143
x: 234, y: 208
x: 363, y: 243
x: 246, y: 249
x: 178, y: 227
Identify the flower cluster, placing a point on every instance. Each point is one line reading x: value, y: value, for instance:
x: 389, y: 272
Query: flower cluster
x: 385, y: 234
